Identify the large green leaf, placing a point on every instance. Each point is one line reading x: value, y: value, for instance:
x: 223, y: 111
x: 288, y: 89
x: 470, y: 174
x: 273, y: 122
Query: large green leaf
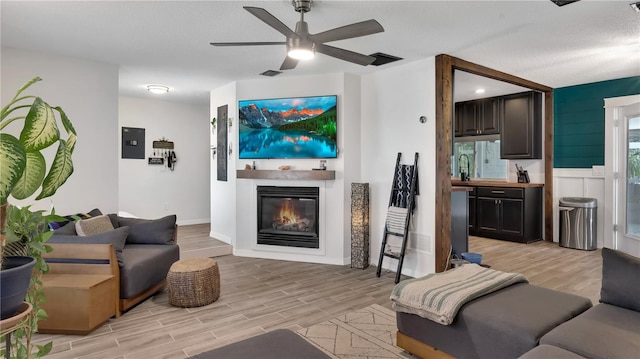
x: 68, y: 126
x: 71, y: 142
x: 61, y: 169
x: 40, y: 129
x: 12, y: 164
x: 32, y: 176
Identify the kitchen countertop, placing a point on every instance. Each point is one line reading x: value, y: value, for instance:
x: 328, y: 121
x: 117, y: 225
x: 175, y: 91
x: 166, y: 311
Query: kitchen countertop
x: 474, y: 183
x: 460, y: 188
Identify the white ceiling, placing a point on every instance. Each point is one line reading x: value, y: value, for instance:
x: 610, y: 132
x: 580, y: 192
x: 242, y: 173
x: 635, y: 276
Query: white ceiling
x: 167, y: 42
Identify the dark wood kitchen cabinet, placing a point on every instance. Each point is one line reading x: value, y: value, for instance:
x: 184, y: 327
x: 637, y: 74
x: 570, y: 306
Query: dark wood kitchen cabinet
x: 521, y: 126
x: 513, y: 214
x: 477, y: 117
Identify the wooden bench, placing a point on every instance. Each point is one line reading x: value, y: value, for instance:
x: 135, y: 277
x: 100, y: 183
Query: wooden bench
x: 81, y: 288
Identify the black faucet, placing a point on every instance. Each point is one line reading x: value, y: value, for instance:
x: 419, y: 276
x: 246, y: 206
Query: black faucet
x: 464, y: 176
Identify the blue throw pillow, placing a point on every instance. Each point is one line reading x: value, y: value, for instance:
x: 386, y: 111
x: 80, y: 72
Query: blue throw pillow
x: 620, y: 279
x: 115, y: 237
x: 149, y: 231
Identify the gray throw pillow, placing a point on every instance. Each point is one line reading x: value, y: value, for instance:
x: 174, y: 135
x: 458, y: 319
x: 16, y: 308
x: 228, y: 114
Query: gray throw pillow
x: 115, y: 237
x: 67, y: 229
x: 149, y: 231
x: 620, y: 279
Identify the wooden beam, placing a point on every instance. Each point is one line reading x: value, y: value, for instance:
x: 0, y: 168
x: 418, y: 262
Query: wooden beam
x: 444, y: 124
x: 548, y: 166
x: 466, y: 66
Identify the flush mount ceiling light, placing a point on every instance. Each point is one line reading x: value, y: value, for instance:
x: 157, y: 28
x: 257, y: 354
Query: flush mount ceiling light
x: 158, y: 89
x: 479, y: 91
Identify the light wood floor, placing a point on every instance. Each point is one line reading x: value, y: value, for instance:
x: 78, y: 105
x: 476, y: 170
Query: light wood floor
x: 259, y: 295
x: 545, y: 264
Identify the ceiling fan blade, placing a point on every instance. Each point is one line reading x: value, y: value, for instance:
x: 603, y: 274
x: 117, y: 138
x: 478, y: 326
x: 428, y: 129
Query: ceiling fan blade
x: 345, y: 55
x: 246, y: 43
x: 348, y: 31
x: 288, y: 63
x: 271, y: 20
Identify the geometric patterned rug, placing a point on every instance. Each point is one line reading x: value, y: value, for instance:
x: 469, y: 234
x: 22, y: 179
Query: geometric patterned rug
x: 366, y: 333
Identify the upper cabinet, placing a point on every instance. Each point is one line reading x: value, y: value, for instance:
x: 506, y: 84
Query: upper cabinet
x: 521, y: 126
x: 477, y: 117
x: 517, y: 118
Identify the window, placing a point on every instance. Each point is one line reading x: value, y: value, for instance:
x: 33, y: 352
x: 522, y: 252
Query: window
x: 484, y: 158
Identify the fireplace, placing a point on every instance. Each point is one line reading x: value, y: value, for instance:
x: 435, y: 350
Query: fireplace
x: 288, y: 216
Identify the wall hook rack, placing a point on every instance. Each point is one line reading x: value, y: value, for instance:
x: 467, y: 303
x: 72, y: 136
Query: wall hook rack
x: 163, y: 144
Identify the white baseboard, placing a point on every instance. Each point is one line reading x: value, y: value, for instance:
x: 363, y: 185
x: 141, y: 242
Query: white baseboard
x: 287, y: 257
x: 190, y: 222
x: 220, y: 237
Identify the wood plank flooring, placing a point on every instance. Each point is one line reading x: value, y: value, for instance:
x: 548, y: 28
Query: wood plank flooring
x: 545, y: 264
x: 259, y: 295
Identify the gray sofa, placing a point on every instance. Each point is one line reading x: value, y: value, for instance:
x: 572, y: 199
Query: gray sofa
x: 145, y: 250
x: 532, y: 322
x: 611, y: 329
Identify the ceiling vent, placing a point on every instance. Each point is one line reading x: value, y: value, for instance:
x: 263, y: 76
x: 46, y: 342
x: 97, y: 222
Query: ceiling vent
x: 271, y: 73
x: 383, y: 59
x: 563, y: 2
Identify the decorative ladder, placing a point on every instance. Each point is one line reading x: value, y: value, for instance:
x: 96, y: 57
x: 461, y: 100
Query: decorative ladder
x: 401, y: 205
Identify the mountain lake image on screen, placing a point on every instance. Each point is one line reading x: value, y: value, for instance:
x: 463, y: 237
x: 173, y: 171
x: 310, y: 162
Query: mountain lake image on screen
x: 299, y: 127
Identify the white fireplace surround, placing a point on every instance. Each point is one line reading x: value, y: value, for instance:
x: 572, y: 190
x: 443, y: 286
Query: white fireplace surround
x: 246, y: 241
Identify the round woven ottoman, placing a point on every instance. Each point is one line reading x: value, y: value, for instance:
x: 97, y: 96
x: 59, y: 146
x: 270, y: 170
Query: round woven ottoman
x: 193, y: 282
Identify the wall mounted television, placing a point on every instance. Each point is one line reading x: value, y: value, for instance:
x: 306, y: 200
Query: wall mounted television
x: 297, y: 127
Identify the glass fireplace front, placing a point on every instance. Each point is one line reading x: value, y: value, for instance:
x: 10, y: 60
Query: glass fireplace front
x: 288, y: 216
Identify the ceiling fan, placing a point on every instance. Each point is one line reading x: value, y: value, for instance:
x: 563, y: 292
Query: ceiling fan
x: 301, y: 45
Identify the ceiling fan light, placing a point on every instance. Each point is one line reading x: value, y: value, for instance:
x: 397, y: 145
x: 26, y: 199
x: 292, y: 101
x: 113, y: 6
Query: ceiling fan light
x: 301, y: 54
x: 158, y: 89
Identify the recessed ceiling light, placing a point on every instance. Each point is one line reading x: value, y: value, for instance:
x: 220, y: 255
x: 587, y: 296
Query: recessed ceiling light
x: 479, y: 91
x: 158, y: 89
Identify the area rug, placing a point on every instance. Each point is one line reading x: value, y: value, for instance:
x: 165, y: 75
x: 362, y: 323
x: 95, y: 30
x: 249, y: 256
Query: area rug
x: 366, y: 333
x: 279, y: 344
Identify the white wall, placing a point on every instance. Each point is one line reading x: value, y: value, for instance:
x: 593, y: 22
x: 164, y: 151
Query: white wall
x: 223, y: 194
x: 378, y: 117
x: 153, y: 191
x: 88, y: 93
x: 351, y: 151
x: 334, y: 195
x: 580, y: 182
x: 392, y: 102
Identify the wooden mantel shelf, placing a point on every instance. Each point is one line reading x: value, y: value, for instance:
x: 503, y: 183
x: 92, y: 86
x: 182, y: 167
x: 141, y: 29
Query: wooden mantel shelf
x: 312, y: 175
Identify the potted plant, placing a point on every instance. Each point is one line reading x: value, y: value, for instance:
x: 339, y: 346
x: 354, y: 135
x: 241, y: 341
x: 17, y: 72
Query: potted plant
x: 23, y: 172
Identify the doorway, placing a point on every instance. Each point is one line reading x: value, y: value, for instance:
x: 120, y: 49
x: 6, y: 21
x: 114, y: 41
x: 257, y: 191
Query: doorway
x: 622, y: 177
x: 445, y: 67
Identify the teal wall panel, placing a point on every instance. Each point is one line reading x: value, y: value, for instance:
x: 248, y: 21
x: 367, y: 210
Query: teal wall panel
x: 578, y: 120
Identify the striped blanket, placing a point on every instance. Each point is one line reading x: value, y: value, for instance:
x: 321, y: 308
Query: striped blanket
x: 439, y: 296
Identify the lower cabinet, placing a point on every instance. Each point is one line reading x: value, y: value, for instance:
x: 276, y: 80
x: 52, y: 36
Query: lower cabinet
x: 513, y: 214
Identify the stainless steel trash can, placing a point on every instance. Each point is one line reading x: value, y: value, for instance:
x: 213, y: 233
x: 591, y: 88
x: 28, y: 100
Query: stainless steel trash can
x: 578, y: 221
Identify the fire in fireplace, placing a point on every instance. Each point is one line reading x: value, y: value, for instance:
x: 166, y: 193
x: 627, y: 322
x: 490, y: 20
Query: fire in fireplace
x: 288, y: 216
